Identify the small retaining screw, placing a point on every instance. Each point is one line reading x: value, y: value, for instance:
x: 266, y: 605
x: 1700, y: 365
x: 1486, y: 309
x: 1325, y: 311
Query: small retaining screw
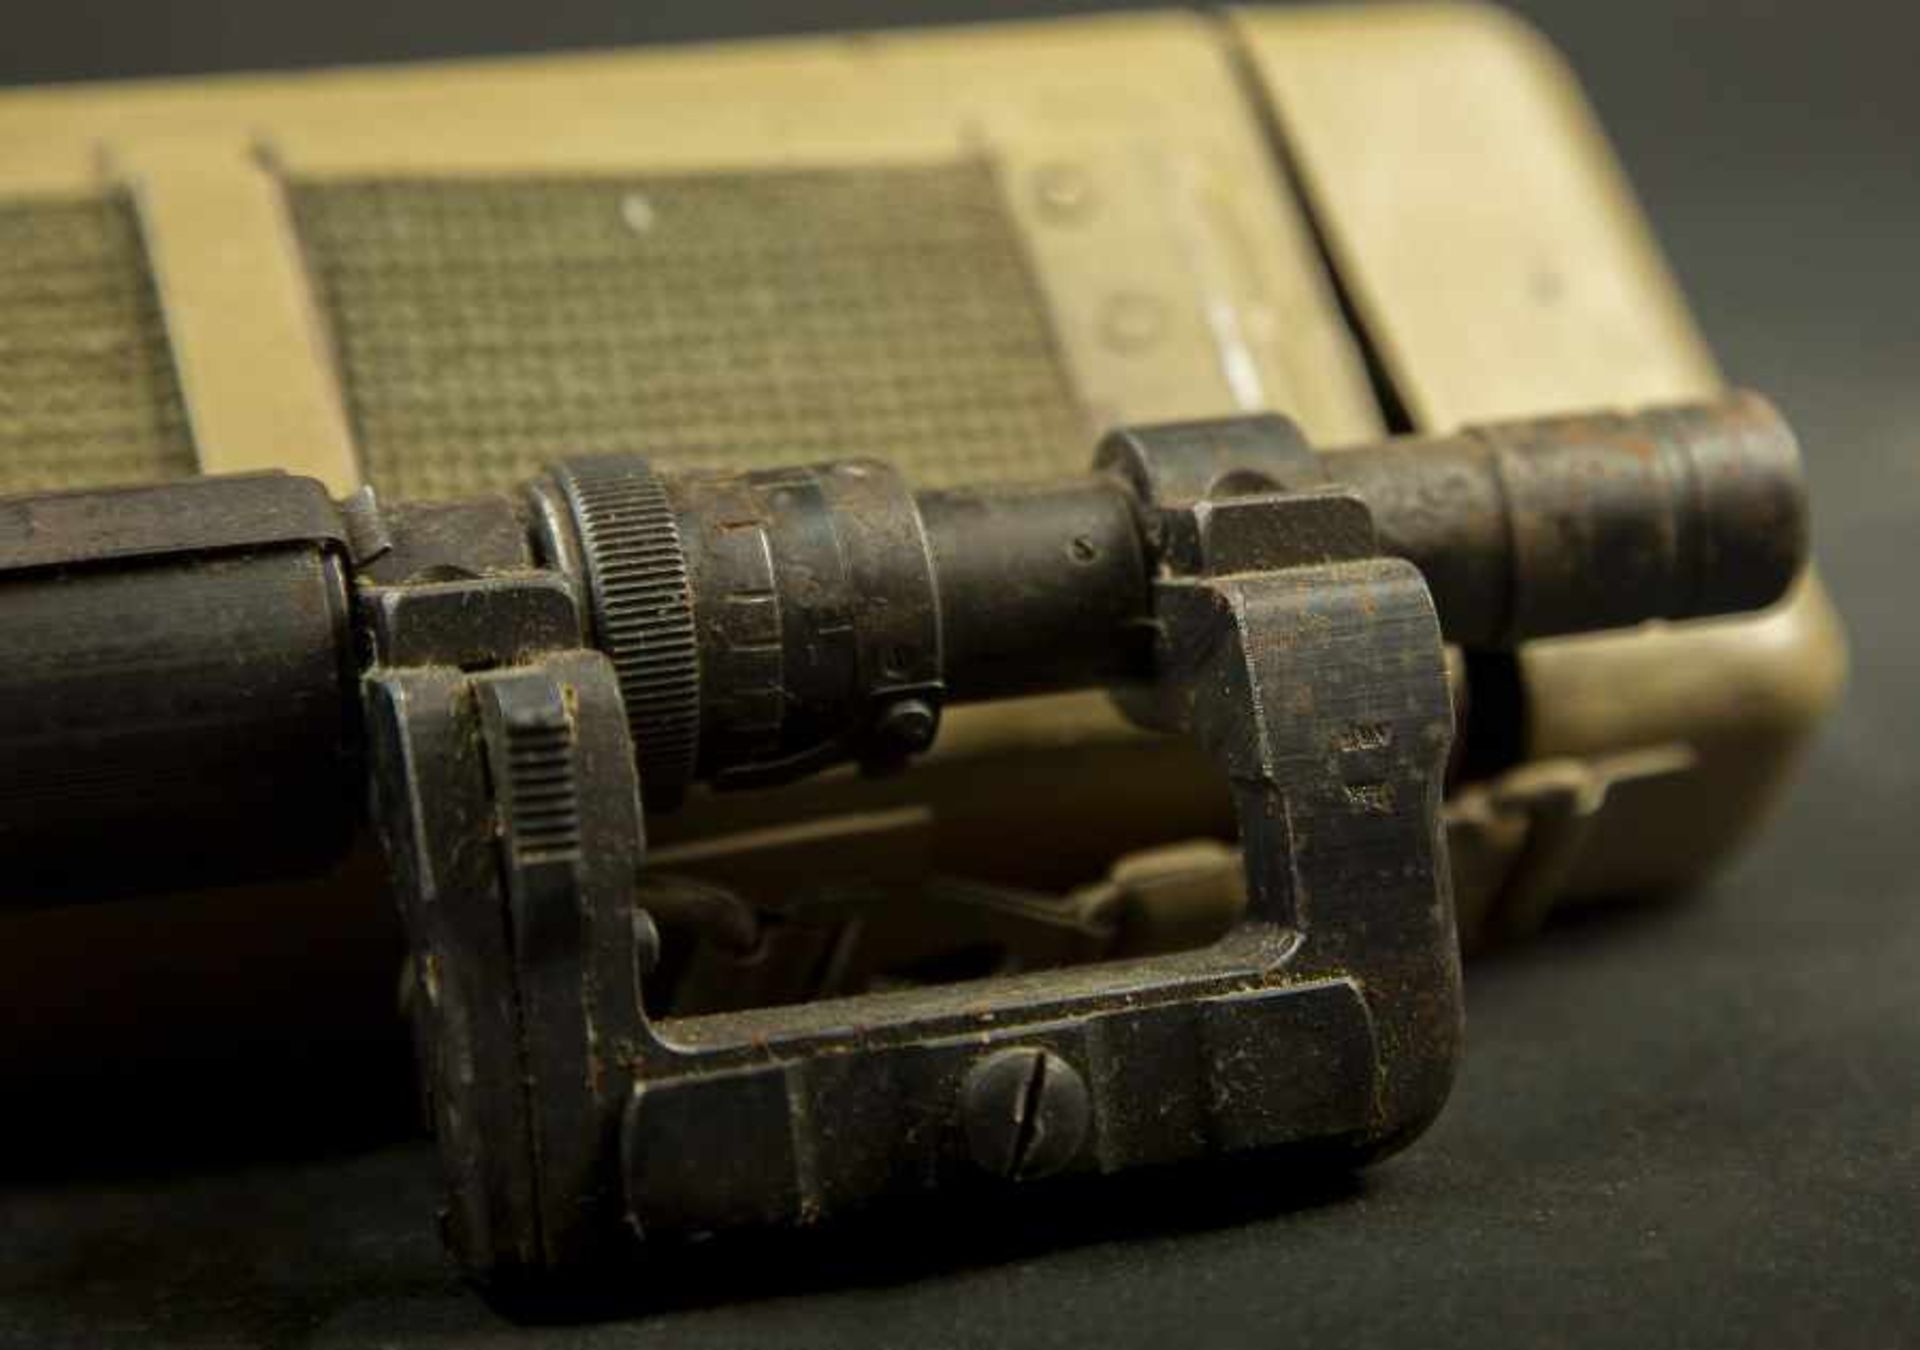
x: 1026, y: 1113
x: 907, y: 726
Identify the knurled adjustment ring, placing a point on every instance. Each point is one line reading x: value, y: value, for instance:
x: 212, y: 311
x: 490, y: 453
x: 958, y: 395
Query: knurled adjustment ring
x: 640, y: 604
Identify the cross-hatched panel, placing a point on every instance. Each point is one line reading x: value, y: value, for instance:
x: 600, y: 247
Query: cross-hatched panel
x: 88, y: 390
x: 484, y: 328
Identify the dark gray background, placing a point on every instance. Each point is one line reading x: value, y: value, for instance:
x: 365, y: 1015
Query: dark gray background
x: 1679, y: 1124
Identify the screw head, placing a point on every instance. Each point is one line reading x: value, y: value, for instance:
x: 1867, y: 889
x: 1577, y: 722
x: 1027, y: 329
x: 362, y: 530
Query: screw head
x: 1026, y: 1112
x: 1063, y: 191
x: 908, y: 725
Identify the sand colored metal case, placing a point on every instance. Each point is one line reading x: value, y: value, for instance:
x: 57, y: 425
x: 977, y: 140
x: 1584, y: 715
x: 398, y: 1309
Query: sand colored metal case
x: 969, y: 251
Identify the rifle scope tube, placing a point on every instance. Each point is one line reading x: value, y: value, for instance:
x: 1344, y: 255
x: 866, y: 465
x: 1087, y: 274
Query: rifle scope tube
x: 181, y: 703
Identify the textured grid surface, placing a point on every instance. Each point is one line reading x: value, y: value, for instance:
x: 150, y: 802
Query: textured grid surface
x: 484, y: 328
x: 88, y: 393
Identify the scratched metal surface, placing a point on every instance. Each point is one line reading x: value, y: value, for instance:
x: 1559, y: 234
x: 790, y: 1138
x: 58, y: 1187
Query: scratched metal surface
x: 1680, y: 1124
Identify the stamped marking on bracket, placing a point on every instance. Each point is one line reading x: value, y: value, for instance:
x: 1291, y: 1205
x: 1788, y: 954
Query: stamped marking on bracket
x: 1375, y: 799
x: 1355, y: 737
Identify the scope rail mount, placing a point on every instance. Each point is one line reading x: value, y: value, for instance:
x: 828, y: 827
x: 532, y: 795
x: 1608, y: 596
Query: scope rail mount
x: 225, y: 676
